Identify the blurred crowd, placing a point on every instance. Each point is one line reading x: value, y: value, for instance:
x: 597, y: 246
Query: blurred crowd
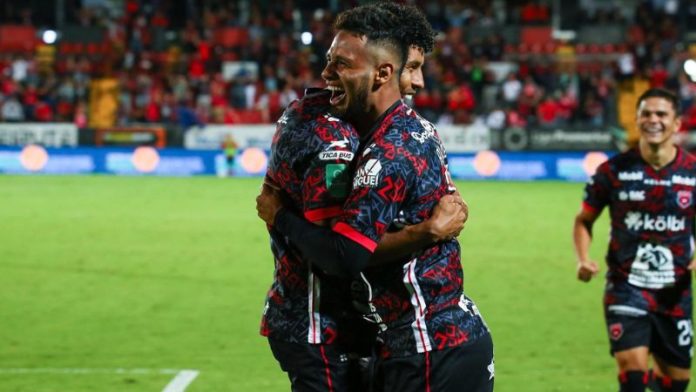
x: 243, y: 62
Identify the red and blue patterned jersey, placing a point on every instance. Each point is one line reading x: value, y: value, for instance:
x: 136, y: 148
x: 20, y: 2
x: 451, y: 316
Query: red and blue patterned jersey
x: 418, y: 304
x: 310, y: 157
x: 652, y: 223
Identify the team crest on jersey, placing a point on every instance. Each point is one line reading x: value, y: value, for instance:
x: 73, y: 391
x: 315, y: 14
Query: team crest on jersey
x: 684, y: 199
x: 616, y: 331
x: 368, y: 174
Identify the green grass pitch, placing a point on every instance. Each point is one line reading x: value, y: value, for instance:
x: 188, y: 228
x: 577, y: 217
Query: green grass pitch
x: 105, y: 273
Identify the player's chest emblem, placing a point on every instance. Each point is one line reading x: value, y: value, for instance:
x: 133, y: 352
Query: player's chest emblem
x: 684, y: 199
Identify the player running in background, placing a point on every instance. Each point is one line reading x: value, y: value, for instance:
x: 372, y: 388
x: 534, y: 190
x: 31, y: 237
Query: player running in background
x: 647, y: 301
x: 431, y: 335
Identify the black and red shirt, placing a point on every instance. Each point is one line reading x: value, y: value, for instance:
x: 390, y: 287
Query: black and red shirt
x: 652, y: 226
x: 401, y: 174
x: 310, y: 157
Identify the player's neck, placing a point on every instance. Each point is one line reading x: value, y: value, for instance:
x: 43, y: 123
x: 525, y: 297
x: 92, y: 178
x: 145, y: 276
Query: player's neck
x: 658, y: 155
x: 380, y: 102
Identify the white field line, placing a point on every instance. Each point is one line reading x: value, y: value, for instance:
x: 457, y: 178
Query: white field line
x: 179, y: 383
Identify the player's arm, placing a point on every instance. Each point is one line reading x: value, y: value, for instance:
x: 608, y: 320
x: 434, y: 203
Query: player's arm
x: 445, y: 223
x: 692, y: 264
x: 582, y: 238
x: 321, y: 246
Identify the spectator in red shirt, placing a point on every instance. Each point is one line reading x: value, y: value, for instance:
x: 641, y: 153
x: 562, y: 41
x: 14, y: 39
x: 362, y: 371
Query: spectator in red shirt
x: 548, y: 111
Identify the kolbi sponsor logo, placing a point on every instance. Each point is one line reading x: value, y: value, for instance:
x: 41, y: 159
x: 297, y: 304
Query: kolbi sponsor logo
x: 638, y: 221
x: 630, y: 176
x: 368, y: 174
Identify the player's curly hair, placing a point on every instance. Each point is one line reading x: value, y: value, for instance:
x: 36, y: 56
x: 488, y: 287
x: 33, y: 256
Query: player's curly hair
x: 381, y: 27
x: 415, y: 28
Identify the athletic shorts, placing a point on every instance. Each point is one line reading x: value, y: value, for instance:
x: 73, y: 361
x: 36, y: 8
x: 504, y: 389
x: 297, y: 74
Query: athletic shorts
x: 668, y: 338
x: 320, y: 367
x: 466, y: 368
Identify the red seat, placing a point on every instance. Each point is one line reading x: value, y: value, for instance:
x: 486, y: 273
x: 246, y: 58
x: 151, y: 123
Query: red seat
x: 231, y: 37
x: 608, y: 48
x: 250, y: 116
x: 536, y: 35
x: 17, y: 38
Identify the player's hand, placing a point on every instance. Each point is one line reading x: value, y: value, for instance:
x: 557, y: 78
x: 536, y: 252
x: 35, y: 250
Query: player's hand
x: 268, y: 203
x: 692, y: 265
x: 448, y: 218
x: 587, y: 270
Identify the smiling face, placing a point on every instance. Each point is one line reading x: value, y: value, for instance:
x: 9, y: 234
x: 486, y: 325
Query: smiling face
x: 348, y: 74
x: 411, y: 78
x: 657, y: 121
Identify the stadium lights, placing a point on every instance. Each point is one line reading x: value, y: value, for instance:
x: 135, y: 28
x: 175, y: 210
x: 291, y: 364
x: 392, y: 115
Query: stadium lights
x: 690, y: 69
x: 306, y: 38
x: 49, y: 37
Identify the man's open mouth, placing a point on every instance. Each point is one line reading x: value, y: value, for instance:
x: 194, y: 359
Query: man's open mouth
x: 337, y: 94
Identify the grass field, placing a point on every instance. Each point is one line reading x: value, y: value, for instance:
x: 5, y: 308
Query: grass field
x: 155, y: 275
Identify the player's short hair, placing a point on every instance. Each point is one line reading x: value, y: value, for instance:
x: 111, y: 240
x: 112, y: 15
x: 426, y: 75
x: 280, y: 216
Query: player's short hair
x: 381, y: 27
x: 416, y: 28
x: 661, y: 93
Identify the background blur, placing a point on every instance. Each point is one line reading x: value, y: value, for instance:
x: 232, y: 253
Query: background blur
x: 152, y: 275
x: 506, y: 75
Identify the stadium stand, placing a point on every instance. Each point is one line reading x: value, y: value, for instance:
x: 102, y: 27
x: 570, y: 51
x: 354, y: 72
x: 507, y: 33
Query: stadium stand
x: 208, y: 61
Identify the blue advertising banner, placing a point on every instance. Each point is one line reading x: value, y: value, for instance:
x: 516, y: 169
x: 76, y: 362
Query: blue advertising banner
x: 141, y: 161
x: 252, y: 161
x: 526, y: 166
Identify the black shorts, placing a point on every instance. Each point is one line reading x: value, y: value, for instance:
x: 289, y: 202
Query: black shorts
x: 320, y: 367
x: 668, y: 338
x: 467, y: 368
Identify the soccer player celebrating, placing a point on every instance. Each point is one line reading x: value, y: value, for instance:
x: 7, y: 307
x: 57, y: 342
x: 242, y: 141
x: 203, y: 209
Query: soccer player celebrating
x: 647, y: 299
x: 431, y: 335
x: 311, y: 327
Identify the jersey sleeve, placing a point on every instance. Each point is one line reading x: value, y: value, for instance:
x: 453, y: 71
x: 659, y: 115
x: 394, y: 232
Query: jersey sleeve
x: 380, y: 185
x: 326, y: 182
x: 598, y: 189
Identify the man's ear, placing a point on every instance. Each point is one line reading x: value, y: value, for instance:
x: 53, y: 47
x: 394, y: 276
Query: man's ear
x: 385, y: 72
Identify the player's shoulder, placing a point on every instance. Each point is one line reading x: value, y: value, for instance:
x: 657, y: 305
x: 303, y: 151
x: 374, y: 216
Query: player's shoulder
x: 407, y: 120
x: 313, y: 111
x: 686, y: 159
x: 314, y: 101
x: 624, y: 159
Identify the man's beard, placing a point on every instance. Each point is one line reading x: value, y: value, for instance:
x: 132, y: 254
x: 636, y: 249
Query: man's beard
x: 357, y: 104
